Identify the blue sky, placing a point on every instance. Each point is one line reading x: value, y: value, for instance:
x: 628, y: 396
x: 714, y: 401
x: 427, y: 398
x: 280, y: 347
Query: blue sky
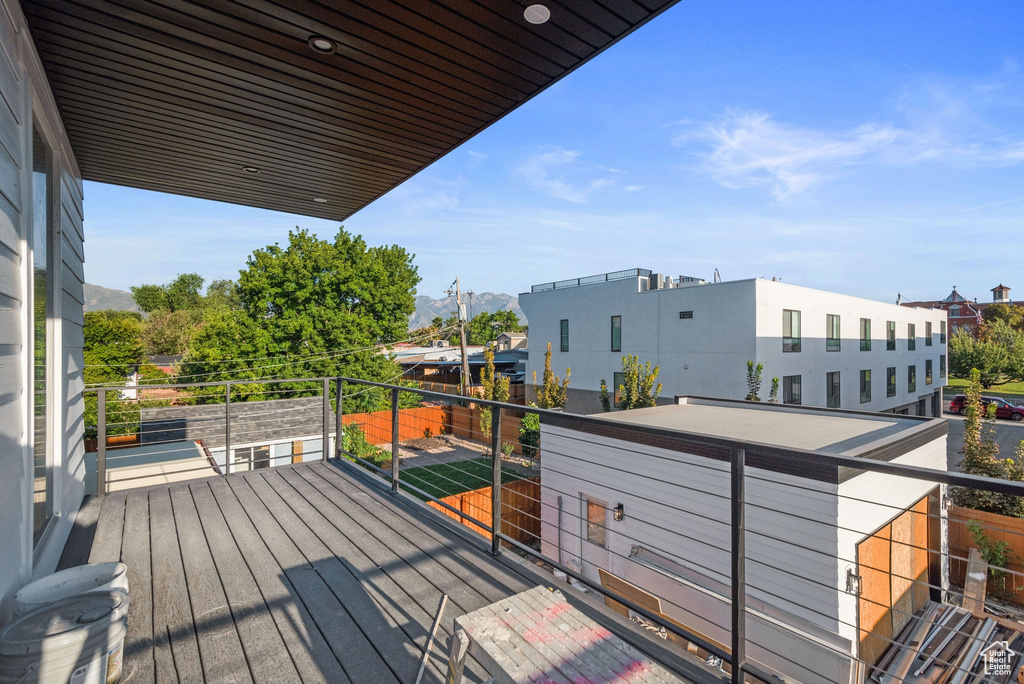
x: 867, y: 148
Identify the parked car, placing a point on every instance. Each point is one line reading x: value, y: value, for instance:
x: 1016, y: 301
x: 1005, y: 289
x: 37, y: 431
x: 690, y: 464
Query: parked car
x: 1004, y: 409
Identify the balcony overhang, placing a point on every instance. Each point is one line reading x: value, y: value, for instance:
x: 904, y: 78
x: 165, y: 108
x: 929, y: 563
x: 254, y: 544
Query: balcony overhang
x: 300, y: 106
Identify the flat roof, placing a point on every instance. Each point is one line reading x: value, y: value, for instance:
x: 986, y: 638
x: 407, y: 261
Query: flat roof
x: 828, y: 432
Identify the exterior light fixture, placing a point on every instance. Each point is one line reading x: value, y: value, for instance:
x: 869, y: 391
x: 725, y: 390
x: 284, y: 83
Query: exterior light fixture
x: 251, y: 169
x: 619, y: 513
x: 320, y: 200
x: 537, y: 14
x: 854, y: 583
x: 325, y: 46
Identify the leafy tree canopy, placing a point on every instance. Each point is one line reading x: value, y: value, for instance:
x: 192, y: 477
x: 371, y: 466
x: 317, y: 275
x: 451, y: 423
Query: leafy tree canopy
x: 997, y: 354
x: 311, y: 308
x: 1011, y: 315
x: 485, y: 327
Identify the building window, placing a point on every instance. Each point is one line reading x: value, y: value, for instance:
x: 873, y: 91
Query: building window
x: 954, y: 311
x: 928, y: 333
x: 832, y: 390
x: 790, y: 331
x: 685, y: 314
x: 791, y: 389
x: 616, y: 333
x: 865, y: 334
x: 596, y: 513
x: 928, y: 371
x: 911, y: 337
x: 832, y: 332
x: 42, y: 310
x: 942, y: 365
x: 865, y: 386
x: 890, y: 381
x: 942, y: 332
x: 565, y: 335
x: 911, y: 378
x: 890, y: 335
x: 619, y: 379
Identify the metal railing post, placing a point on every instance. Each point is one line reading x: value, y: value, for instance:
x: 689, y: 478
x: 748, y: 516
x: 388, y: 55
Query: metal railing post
x: 394, y: 440
x: 338, y: 428
x: 101, y: 444
x: 227, y: 429
x: 327, y: 420
x: 495, y: 480
x: 738, y: 557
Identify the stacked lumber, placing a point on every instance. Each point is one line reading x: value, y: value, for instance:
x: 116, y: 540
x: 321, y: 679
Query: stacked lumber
x: 945, y: 644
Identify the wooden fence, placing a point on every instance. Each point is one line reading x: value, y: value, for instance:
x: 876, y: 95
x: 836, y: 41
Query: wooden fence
x: 413, y: 423
x: 416, y: 423
x: 520, y: 509
x: 516, y: 392
x: 113, y: 442
x: 998, y: 528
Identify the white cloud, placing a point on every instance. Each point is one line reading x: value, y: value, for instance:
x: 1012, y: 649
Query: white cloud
x: 556, y: 173
x: 749, y: 149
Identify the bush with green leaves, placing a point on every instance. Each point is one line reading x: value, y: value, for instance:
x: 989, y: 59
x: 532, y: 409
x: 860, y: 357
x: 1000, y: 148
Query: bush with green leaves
x: 529, y: 435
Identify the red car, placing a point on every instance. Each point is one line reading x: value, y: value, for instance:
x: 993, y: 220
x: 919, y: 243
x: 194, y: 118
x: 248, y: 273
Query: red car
x: 1004, y: 409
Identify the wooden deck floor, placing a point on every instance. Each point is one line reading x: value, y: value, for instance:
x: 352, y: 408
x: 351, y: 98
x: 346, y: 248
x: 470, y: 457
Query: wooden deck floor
x: 301, y: 573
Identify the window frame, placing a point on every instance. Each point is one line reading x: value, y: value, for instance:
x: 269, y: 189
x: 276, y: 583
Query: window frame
x: 927, y: 372
x: 590, y: 525
x: 942, y: 332
x: 890, y: 381
x: 890, y: 335
x: 942, y: 365
x: 833, y: 332
x: 865, y: 386
x: 563, y: 335
x: 791, y: 319
x: 912, y: 378
x: 927, y: 333
x: 911, y: 337
x: 788, y: 395
x: 616, y: 338
x: 833, y: 380
x: 865, y: 334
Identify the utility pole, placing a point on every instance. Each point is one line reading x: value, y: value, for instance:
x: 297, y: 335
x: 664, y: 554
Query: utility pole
x: 461, y: 314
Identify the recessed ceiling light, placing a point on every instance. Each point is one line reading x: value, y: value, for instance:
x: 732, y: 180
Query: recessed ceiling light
x: 536, y: 14
x: 321, y: 200
x: 324, y: 46
x: 251, y: 169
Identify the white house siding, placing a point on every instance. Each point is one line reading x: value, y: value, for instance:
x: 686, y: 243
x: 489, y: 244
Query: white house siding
x: 23, y: 92
x: 677, y: 506
x: 733, y: 322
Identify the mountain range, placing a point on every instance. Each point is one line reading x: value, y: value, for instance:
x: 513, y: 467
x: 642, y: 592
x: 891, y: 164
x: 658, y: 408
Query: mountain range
x: 99, y: 298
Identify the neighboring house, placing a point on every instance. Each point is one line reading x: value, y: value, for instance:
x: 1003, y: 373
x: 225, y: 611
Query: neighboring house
x: 166, y: 362
x: 512, y: 340
x: 827, y: 349
x: 263, y: 433
x: 444, y: 364
x: 830, y: 551
x: 963, y: 313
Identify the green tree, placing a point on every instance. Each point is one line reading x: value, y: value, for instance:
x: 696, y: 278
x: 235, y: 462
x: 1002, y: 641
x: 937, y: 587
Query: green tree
x: 309, y: 309
x: 112, y: 350
x: 496, y: 388
x: 773, y: 393
x: 606, y: 400
x: 184, y: 293
x: 638, y: 388
x: 223, y: 294
x: 553, y: 391
x: 754, y: 381
x: 1011, y: 315
x: 150, y: 297
x: 998, y: 356
x: 169, y: 332
x: 980, y: 457
x: 485, y: 327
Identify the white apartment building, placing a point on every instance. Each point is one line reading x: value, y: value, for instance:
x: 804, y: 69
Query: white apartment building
x: 827, y: 349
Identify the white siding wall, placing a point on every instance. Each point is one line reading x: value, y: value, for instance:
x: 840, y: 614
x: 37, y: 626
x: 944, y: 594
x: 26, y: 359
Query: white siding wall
x: 813, y: 362
x: 24, y: 91
x: 732, y: 323
x: 677, y: 505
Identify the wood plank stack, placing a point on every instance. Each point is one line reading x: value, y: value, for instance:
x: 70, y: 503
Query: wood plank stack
x: 945, y: 644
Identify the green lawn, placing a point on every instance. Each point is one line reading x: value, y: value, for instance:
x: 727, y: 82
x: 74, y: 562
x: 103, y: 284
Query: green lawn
x: 445, y: 479
x: 1011, y: 390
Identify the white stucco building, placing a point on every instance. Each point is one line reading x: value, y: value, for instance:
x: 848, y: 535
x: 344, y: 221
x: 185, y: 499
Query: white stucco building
x: 827, y: 349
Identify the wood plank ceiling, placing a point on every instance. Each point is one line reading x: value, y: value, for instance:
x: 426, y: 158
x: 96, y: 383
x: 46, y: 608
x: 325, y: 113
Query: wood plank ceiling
x: 182, y: 97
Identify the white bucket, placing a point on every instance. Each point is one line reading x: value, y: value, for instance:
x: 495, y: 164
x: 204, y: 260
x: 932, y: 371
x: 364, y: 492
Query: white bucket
x: 70, y: 582
x: 78, y: 640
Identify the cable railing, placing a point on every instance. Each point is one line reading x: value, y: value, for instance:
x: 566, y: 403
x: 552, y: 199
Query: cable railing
x: 773, y: 562
x: 590, y: 280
